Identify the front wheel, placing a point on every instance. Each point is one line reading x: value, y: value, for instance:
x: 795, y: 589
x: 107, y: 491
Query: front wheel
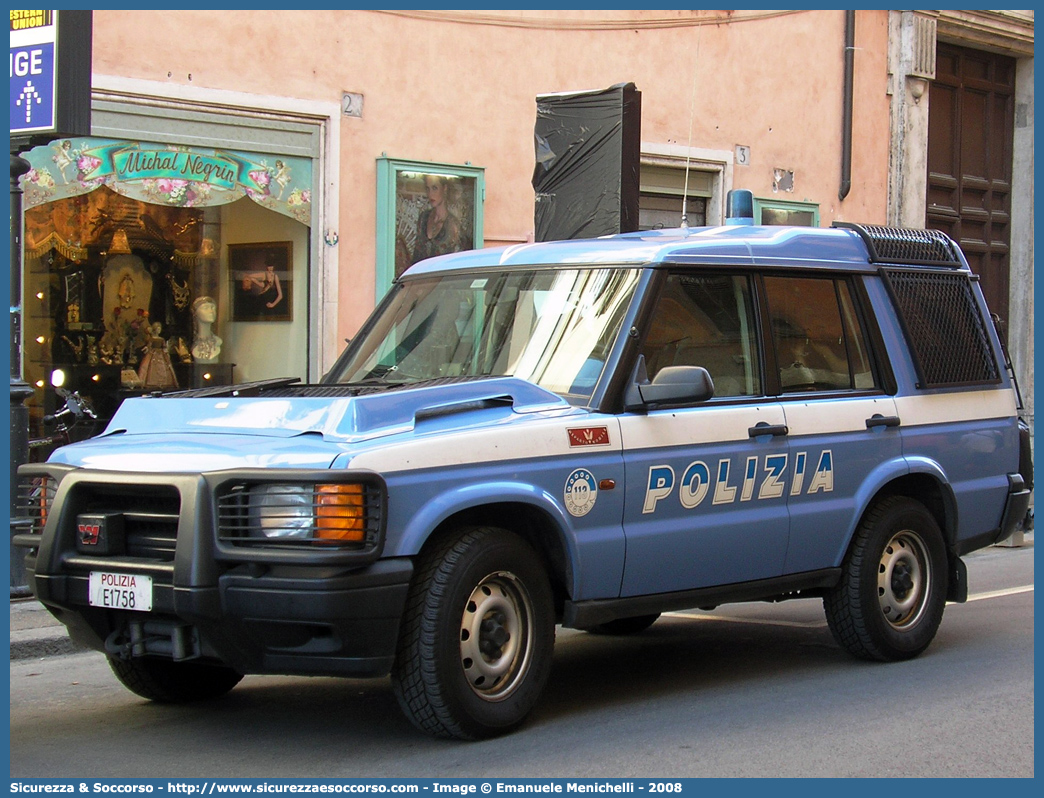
x: 167, y: 682
x: 890, y: 600
x: 477, y: 637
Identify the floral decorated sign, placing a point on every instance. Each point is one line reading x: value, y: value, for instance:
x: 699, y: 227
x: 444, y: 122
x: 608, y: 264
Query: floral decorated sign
x: 168, y: 175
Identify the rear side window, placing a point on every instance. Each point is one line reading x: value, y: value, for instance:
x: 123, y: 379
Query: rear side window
x: 944, y: 327
x: 819, y: 343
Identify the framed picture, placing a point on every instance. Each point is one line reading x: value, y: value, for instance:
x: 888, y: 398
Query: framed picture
x: 423, y: 210
x: 261, y: 278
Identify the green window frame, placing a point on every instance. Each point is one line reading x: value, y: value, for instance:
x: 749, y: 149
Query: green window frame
x: 401, y: 202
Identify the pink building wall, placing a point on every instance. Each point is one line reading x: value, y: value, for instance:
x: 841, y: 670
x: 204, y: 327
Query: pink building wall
x: 438, y: 89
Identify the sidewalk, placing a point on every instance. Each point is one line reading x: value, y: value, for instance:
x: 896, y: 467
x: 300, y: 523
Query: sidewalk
x: 36, y: 633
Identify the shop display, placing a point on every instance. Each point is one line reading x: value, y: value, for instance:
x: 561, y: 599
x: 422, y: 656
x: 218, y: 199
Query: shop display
x: 110, y: 284
x: 157, y: 370
x: 122, y: 240
x: 206, y: 346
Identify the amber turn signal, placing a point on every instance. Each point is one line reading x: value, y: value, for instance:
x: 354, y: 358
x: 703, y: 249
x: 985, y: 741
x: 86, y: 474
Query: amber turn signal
x: 340, y: 512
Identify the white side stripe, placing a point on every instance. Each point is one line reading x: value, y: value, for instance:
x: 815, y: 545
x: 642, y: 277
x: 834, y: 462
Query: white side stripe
x: 694, y: 426
x: 490, y: 446
x: 943, y: 408
x: 828, y: 416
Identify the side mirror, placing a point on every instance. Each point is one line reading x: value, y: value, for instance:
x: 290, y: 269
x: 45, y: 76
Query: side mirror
x: 673, y: 385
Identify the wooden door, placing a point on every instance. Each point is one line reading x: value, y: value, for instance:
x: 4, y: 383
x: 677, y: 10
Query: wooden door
x: 971, y: 119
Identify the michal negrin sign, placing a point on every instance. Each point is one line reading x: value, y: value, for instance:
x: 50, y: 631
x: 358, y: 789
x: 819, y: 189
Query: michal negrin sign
x: 142, y: 164
x: 169, y: 174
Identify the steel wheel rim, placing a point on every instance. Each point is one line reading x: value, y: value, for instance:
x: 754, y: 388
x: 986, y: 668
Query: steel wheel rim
x: 903, y: 580
x: 496, y: 634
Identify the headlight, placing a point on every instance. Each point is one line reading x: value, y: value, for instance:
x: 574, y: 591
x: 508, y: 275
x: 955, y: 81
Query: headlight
x: 333, y: 513
x: 282, y: 511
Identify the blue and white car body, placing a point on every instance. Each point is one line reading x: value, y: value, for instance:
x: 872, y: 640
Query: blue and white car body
x: 638, y: 495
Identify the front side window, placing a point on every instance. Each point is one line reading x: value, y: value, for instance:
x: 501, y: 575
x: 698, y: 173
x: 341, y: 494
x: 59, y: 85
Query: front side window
x: 819, y: 343
x: 707, y: 320
x: 552, y: 327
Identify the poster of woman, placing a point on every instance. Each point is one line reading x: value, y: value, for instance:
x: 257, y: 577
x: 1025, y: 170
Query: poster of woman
x: 262, y: 276
x: 434, y: 216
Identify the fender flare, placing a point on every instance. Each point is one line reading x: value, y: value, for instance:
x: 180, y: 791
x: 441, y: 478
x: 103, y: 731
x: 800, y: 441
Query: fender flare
x: 887, y: 472
x: 429, y: 517
x: 881, y: 475
x: 929, y: 467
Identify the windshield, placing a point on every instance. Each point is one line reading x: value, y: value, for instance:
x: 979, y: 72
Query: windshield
x: 552, y: 327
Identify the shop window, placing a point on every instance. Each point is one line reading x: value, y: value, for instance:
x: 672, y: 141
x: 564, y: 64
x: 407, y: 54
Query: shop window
x: 110, y: 283
x: 136, y: 281
x: 424, y: 210
x: 780, y: 212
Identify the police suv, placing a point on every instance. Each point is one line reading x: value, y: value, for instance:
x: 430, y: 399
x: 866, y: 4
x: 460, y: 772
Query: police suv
x: 585, y: 433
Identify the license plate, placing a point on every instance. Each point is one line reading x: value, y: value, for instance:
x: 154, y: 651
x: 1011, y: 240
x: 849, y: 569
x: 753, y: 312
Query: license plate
x: 120, y: 591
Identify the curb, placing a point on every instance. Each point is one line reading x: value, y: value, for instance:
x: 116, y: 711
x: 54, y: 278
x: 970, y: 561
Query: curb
x: 36, y: 633
x: 40, y: 643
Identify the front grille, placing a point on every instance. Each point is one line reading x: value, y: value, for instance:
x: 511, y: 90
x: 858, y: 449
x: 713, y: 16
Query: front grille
x: 34, y: 498
x: 151, y: 535
x: 150, y: 516
x: 944, y: 326
x: 239, y: 520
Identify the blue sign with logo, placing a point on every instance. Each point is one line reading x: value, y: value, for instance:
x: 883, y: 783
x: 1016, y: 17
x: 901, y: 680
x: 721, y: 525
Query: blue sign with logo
x: 50, y: 92
x: 32, y: 88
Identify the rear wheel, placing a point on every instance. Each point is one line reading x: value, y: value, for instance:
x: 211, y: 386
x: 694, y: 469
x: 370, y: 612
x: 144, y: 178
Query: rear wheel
x: 624, y: 626
x: 477, y: 637
x: 890, y: 600
x: 169, y: 682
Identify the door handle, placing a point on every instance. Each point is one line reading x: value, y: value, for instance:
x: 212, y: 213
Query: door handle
x: 877, y: 420
x: 761, y: 428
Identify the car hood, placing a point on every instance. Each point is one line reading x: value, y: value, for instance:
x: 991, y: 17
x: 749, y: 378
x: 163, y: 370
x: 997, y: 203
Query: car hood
x: 173, y: 433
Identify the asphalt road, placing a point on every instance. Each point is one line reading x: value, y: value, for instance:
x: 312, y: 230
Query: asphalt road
x: 747, y: 690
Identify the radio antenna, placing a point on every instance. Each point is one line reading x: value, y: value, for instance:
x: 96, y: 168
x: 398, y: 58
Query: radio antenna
x: 688, y: 148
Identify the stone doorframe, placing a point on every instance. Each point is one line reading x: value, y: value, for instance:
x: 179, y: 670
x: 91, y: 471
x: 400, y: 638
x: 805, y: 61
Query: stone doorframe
x: 912, y: 39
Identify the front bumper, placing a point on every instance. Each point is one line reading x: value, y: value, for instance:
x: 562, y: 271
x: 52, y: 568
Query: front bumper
x: 286, y: 610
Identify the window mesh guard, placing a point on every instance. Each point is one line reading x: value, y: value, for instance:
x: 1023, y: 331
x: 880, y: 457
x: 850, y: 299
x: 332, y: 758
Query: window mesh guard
x: 903, y: 245
x: 944, y: 327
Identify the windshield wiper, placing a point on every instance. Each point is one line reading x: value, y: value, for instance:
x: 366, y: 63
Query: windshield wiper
x: 378, y: 375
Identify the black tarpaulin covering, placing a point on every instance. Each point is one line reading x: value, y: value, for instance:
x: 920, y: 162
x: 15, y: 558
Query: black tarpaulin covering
x: 588, y: 146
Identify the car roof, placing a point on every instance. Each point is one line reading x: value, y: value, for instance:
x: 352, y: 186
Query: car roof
x: 729, y: 245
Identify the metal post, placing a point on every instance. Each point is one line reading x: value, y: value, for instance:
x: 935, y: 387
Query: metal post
x: 20, y: 390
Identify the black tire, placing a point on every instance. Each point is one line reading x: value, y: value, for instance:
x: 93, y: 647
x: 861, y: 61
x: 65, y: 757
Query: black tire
x: 477, y: 636
x: 624, y: 626
x: 890, y: 600
x: 169, y: 682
